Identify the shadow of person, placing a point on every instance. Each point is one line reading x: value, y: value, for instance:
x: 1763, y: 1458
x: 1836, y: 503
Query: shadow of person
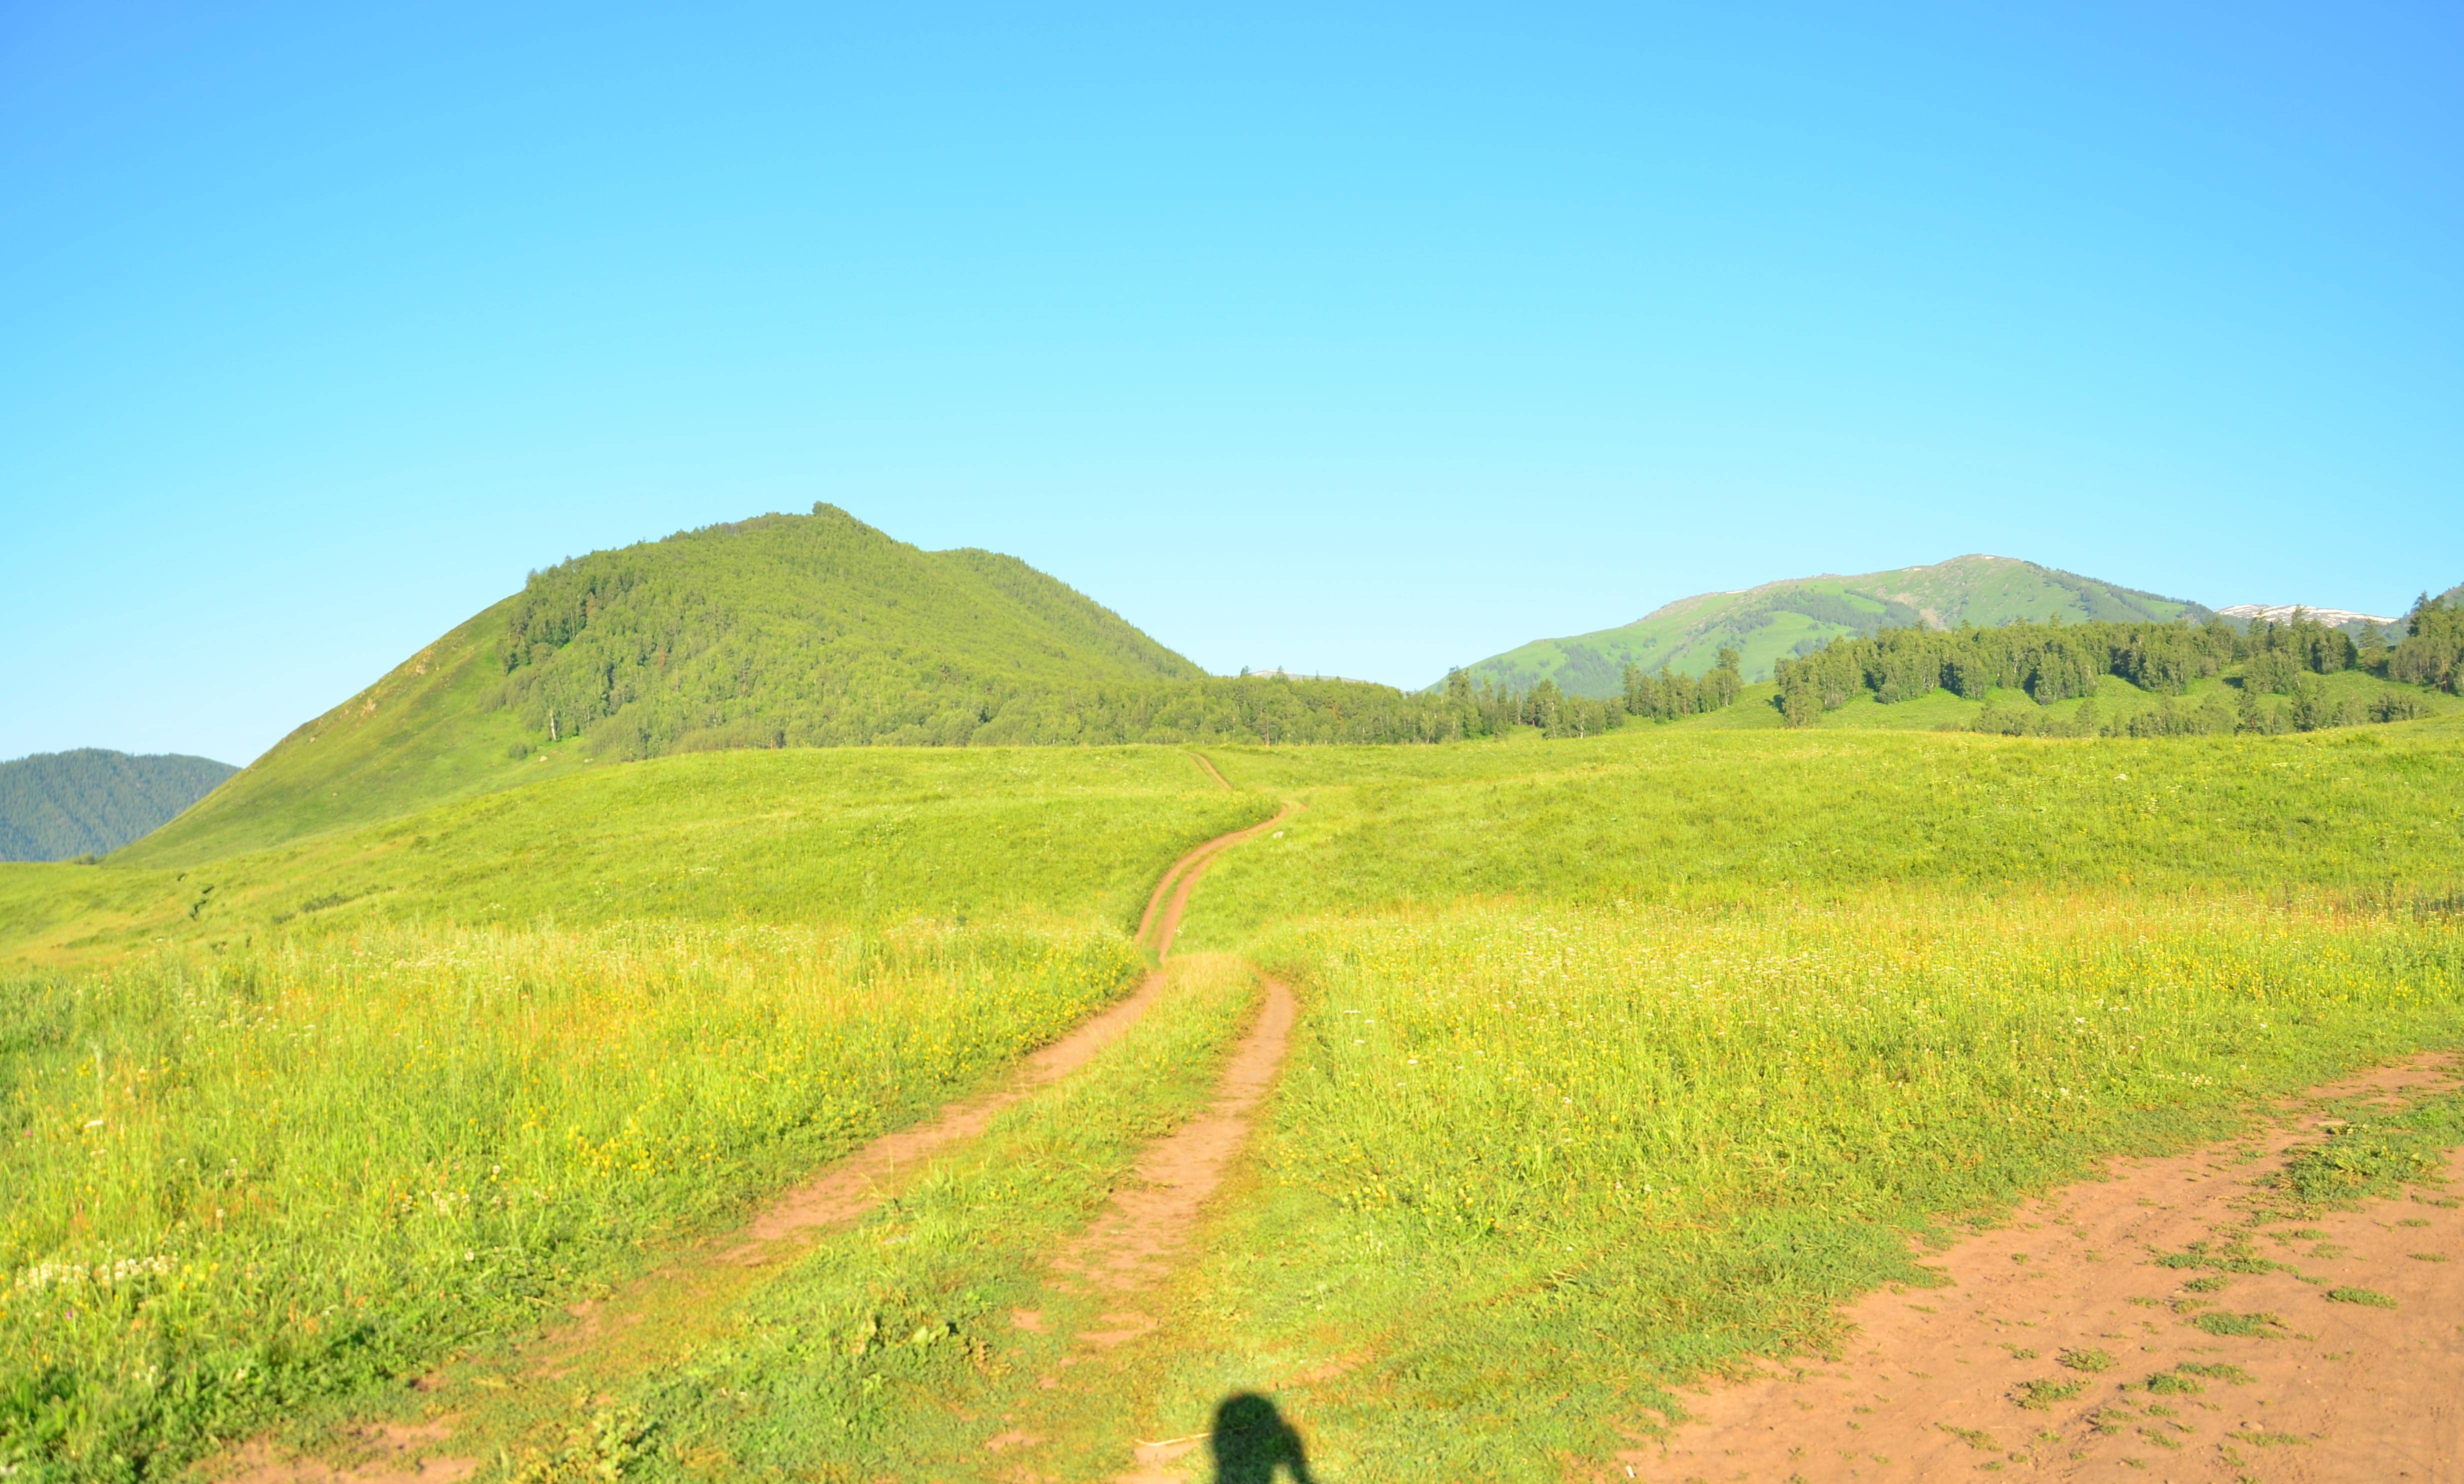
x: 1252, y: 1443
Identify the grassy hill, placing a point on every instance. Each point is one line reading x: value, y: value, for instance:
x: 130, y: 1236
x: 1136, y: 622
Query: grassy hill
x: 783, y: 630
x: 1777, y: 620
x: 59, y: 805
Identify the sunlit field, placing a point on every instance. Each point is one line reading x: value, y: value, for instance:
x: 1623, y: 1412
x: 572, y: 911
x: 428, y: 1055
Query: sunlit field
x: 1620, y: 1060
x: 1668, y: 816
x: 850, y: 835
x: 1531, y: 1167
x: 240, y: 1181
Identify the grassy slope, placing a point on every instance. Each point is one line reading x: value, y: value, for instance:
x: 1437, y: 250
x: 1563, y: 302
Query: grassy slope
x: 811, y: 835
x: 422, y: 734
x: 1652, y: 813
x: 1767, y: 623
x: 1846, y: 910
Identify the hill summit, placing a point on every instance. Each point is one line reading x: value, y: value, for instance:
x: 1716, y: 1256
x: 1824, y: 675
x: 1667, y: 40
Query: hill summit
x: 1783, y: 619
x: 778, y: 631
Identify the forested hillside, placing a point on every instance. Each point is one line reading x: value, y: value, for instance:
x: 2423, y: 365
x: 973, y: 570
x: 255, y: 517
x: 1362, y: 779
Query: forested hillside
x: 780, y: 632
x: 2302, y: 675
x: 55, y: 806
x: 1784, y: 619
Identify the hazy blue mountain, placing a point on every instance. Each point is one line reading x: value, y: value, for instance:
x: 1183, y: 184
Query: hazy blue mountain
x: 55, y: 806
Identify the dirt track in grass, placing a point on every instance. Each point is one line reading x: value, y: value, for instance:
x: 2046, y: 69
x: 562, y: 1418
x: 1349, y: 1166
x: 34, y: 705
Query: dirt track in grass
x: 1135, y: 1244
x: 695, y: 1284
x: 2286, y: 1386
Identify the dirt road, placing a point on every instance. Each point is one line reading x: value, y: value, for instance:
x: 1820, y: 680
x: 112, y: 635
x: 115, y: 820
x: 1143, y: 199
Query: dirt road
x: 698, y: 1282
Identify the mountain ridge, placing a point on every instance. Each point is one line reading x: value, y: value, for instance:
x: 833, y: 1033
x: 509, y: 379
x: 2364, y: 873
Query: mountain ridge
x: 1775, y: 620
x: 2346, y: 619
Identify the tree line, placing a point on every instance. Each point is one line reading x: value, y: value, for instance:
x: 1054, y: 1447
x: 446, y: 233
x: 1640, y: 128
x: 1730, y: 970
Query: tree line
x: 2052, y: 662
x: 1487, y: 709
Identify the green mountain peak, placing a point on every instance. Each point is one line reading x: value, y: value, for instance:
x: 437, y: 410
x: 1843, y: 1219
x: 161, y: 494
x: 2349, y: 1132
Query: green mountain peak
x: 1795, y: 616
x: 779, y: 631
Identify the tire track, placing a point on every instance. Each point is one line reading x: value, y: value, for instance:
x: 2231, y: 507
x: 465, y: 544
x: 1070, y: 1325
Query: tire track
x: 1163, y: 918
x: 691, y: 1289
x: 1135, y: 1245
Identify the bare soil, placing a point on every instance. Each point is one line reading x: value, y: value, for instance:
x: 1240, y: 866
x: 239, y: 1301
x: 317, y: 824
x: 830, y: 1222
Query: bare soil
x: 2035, y: 1356
x: 1135, y: 1244
x: 379, y: 1453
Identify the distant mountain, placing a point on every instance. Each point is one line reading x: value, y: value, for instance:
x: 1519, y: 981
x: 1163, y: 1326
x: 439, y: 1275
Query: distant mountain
x: 55, y: 806
x: 2242, y: 614
x: 781, y: 630
x: 1794, y: 618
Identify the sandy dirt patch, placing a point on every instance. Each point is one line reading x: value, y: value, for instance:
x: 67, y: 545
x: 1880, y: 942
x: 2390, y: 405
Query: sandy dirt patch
x: 2062, y: 1345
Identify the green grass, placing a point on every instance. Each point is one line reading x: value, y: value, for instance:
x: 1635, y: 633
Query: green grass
x: 241, y: 1182
x: 2040, y: 1395
x: 891, y: 1348
x: 804, y: 835
x: 1665, y: 814
x: 2369, y: 1297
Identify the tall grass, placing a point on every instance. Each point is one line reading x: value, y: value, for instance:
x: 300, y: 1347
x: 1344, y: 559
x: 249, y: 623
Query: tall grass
x: 241, y: 1182
x: 1497, y: 1070
x: 1542, y: 1163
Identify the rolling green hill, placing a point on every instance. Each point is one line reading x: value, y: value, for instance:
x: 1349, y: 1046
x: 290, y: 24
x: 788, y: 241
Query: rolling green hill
x: 1781, y: 619
x: 59, y: 805
x: 782, y: 630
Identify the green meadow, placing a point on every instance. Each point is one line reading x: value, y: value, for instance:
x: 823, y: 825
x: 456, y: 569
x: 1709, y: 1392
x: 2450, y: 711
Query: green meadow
x: 805, y: 835
x: 1621, y: 1059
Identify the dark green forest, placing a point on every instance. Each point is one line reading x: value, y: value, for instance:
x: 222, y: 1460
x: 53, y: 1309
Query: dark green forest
x: 2274, y: 674
x: 57, y: 806
x: 1487, y: 709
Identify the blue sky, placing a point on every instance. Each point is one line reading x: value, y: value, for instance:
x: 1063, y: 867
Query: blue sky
x: 1350, y: 340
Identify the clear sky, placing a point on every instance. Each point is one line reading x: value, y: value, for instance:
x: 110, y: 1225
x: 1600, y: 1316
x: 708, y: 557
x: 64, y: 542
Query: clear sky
x: 1350, y: 340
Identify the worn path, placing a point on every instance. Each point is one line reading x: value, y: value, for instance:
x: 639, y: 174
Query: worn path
x: 692, y: 1288
x: 2061, y: 1347
x: 1133, y: 1246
